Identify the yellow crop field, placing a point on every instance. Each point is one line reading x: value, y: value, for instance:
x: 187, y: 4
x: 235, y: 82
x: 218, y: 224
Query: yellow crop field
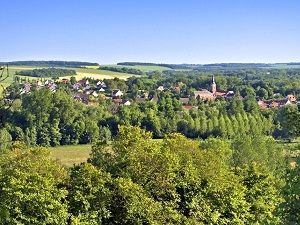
x: 81, y: 75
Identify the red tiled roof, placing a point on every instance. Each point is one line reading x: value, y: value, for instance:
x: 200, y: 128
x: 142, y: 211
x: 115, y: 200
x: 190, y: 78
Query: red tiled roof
x: 221, y: 93
x: 188, y: 106
x: 117, y: 100
x: 140, y: 99
x: 184, y: 100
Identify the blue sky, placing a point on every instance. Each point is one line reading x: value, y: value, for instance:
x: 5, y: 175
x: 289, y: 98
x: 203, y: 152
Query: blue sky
x: 161, y: 31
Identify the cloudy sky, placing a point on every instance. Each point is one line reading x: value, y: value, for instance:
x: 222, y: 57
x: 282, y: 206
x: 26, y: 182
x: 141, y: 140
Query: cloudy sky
x: 161, y: 31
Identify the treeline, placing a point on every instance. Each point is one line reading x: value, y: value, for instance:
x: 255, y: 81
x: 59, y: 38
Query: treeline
x: 122, y: 70
x: 258, y: 74
x: 213, y: 65
x: 50, y: 63
x: 136, y: 180
x: 239, y: 65
x: 46, y: 72
x: 294, y: 64
x: 171, y: 66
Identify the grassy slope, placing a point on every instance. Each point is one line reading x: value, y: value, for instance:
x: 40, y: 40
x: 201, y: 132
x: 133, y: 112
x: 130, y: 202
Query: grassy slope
x: 11, y: 71
x: 71, y: 154
x: 291, y: 147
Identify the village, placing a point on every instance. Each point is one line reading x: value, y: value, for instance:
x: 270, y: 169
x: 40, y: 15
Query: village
x: 84, y: 89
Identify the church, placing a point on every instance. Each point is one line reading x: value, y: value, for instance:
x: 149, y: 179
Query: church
x: 205, y: 94
x: 213, y: 93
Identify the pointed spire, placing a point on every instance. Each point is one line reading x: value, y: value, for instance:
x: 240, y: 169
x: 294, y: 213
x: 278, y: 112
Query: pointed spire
x: 213, y: 85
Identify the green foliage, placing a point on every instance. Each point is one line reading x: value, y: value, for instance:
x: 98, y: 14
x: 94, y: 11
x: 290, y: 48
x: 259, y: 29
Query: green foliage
x: 51, y: 119
x: 31, y: 189
x: 89, y: 195
x: 180, y: 184
x: 52, y: 63
x: 260, y: 149
x: 179, y: 180
x: 5, y: 139
x: 263, y: 193
x: 290, y: 207
x: 122, y: 70
x: 131, y: 205
x: 290, y: 121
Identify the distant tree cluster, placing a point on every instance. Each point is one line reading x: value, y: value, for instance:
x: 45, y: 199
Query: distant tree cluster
x: 214, y: 65
x: 171, y: 66
x: 122, y: 70
x: 50, y: 63
x: 47, y: 72
x: 238, y: 65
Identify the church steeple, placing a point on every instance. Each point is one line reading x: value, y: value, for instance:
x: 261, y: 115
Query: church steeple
x: 213, y: 85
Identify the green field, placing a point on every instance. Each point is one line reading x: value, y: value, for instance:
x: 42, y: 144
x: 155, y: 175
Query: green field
x: 11, y: 71
x: 69, y: 155
x: 292, y: 147
x: 81, y: 73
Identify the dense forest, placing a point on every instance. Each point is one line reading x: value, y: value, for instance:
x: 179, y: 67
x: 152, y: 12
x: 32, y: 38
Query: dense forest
x: 122, y: 70
x: 47, y: 72
x: 171, y: 66
x: 215, y: 162
x: 50, y: 63
x: 214, y: 65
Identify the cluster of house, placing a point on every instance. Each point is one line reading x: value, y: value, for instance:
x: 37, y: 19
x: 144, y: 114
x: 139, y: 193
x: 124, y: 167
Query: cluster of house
x: 83, y: 90
x: 39, y: 84
x: 289, y: 99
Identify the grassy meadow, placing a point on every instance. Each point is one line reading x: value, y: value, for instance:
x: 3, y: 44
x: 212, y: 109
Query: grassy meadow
x: 11, y: 71
x: 291, y: 147
x: 69, y: 155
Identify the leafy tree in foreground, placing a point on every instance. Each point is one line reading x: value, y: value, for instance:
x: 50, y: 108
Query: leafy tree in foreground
x: 137, y: 180
x: 89, y: 195
x: 183, y: 183
x: 291, y: 207
x: 262, y: 193
x: 31, y: 190
x: 5, y: 139
x: 290, y: 121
